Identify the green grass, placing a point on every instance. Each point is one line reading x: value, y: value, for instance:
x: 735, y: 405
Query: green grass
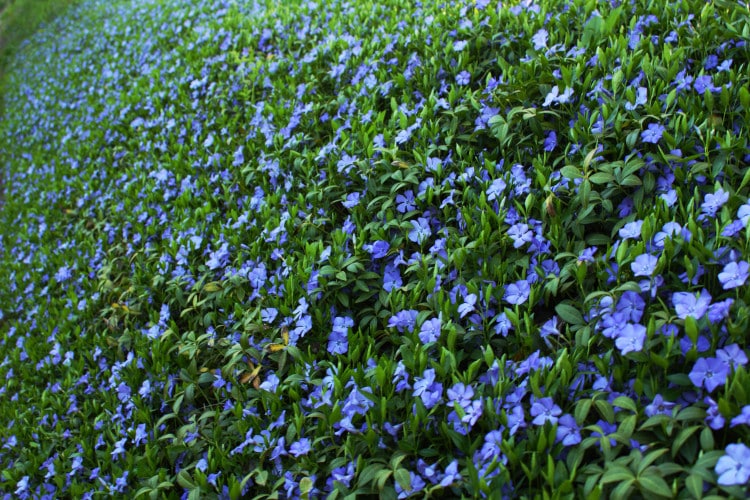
x: 19, y: 19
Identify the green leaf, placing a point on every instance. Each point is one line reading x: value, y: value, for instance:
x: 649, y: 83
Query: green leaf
x: 571, y: 172
x: 683, y: 436
x: 626, y: 427
x: 403, y: 478
x: 582, y: 408
x: 622, y: 490
x: 625, y: 403
x: 694, y: 485
x: 691, y: 329
x: 707, y: 439
x: 569, y: 314
x: 601, y: 178
x: 616, y: 473
x: 654, y: 485
x: 185, y: 480
x: 650, y: 458
x: 692, y: 413
x: 305, y: 486
x: 605, y: 409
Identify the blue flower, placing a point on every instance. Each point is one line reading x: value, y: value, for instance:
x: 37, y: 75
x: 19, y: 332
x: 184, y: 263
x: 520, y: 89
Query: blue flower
x: 644, y: 265
x: 540, y: 39
x: 517, y: 293
x: 430, y: 331
x: 653, y: 133
x: 568, y: 430
x: 544, y: 410
x: 468, y: 305
x: 300, y: 448
x: 421, y: 230
x: 709, y: 373
x: 734, y: 467
x: 687, y: 304
x: 734, y: 274
x: 427, y: 389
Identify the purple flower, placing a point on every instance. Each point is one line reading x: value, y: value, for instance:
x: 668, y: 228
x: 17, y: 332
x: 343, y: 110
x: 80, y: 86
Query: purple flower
x: 734, y: 467
x: 714, y: 201
x: 300, y: 448
x: 496, y: 189
x: 463, y: 78
x: 491, y: 447
x: 734, y: 274
x: 630, y: 307
x: 502, y: 324
x: 653, y: 133
x: 461, y: 394
x: 631, y: 230
x: 271, y: 383
x: 687, y: 304
x: 518, y: 292
x: 549, y: 327
x: 644, y: 265
x: 719, y: 310
x: 703, y: 83
x: 421, y: 230
x: 544, y: 410
x: 714, y: 418
x: 641, y: 99
x: 352, y: 200
x: 540, y: 39
x: 416, y: 484
x: 568, y: 430
x: 587, y: 255
x: 743, y: 213
x: 427, y: 389
x: 378, y: 249
x: 451, y: 475
x: 401, y: 377
x: 732, y: 356
x: 631, y: 338
x: 119, y: 450
x: 554, y: 96
x: 743, y: 418
x: 709, y: 373
x: 521, y: 234
x: 338, y: 342
x: 468, y: 305
x: 344, y: 475
x: 515, y: 419
x: 472, y: 413
x: 683, y: 81
x: 430, y: 331
x: 391, y: 278
x: 405, y: 202
x: 404, y: 321
x: 659, y: 407
x: 550, y: 141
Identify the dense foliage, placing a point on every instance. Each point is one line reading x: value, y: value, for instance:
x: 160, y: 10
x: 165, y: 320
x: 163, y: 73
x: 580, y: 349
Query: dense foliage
x: 352, y: 247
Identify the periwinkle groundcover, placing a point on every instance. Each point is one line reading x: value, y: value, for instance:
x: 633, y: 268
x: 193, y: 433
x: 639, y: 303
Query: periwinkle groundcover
x: 332, y: 249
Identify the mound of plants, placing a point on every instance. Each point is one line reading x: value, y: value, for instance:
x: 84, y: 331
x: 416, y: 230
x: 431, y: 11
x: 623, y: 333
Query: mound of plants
x: 349, y: 248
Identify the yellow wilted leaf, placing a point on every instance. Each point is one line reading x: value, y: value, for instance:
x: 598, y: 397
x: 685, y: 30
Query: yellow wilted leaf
x: 213, y: 286
x: 252, y: 375
x: 279, y: 347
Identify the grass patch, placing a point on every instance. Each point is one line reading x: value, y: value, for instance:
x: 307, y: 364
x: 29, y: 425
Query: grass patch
x: 19, y: 19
